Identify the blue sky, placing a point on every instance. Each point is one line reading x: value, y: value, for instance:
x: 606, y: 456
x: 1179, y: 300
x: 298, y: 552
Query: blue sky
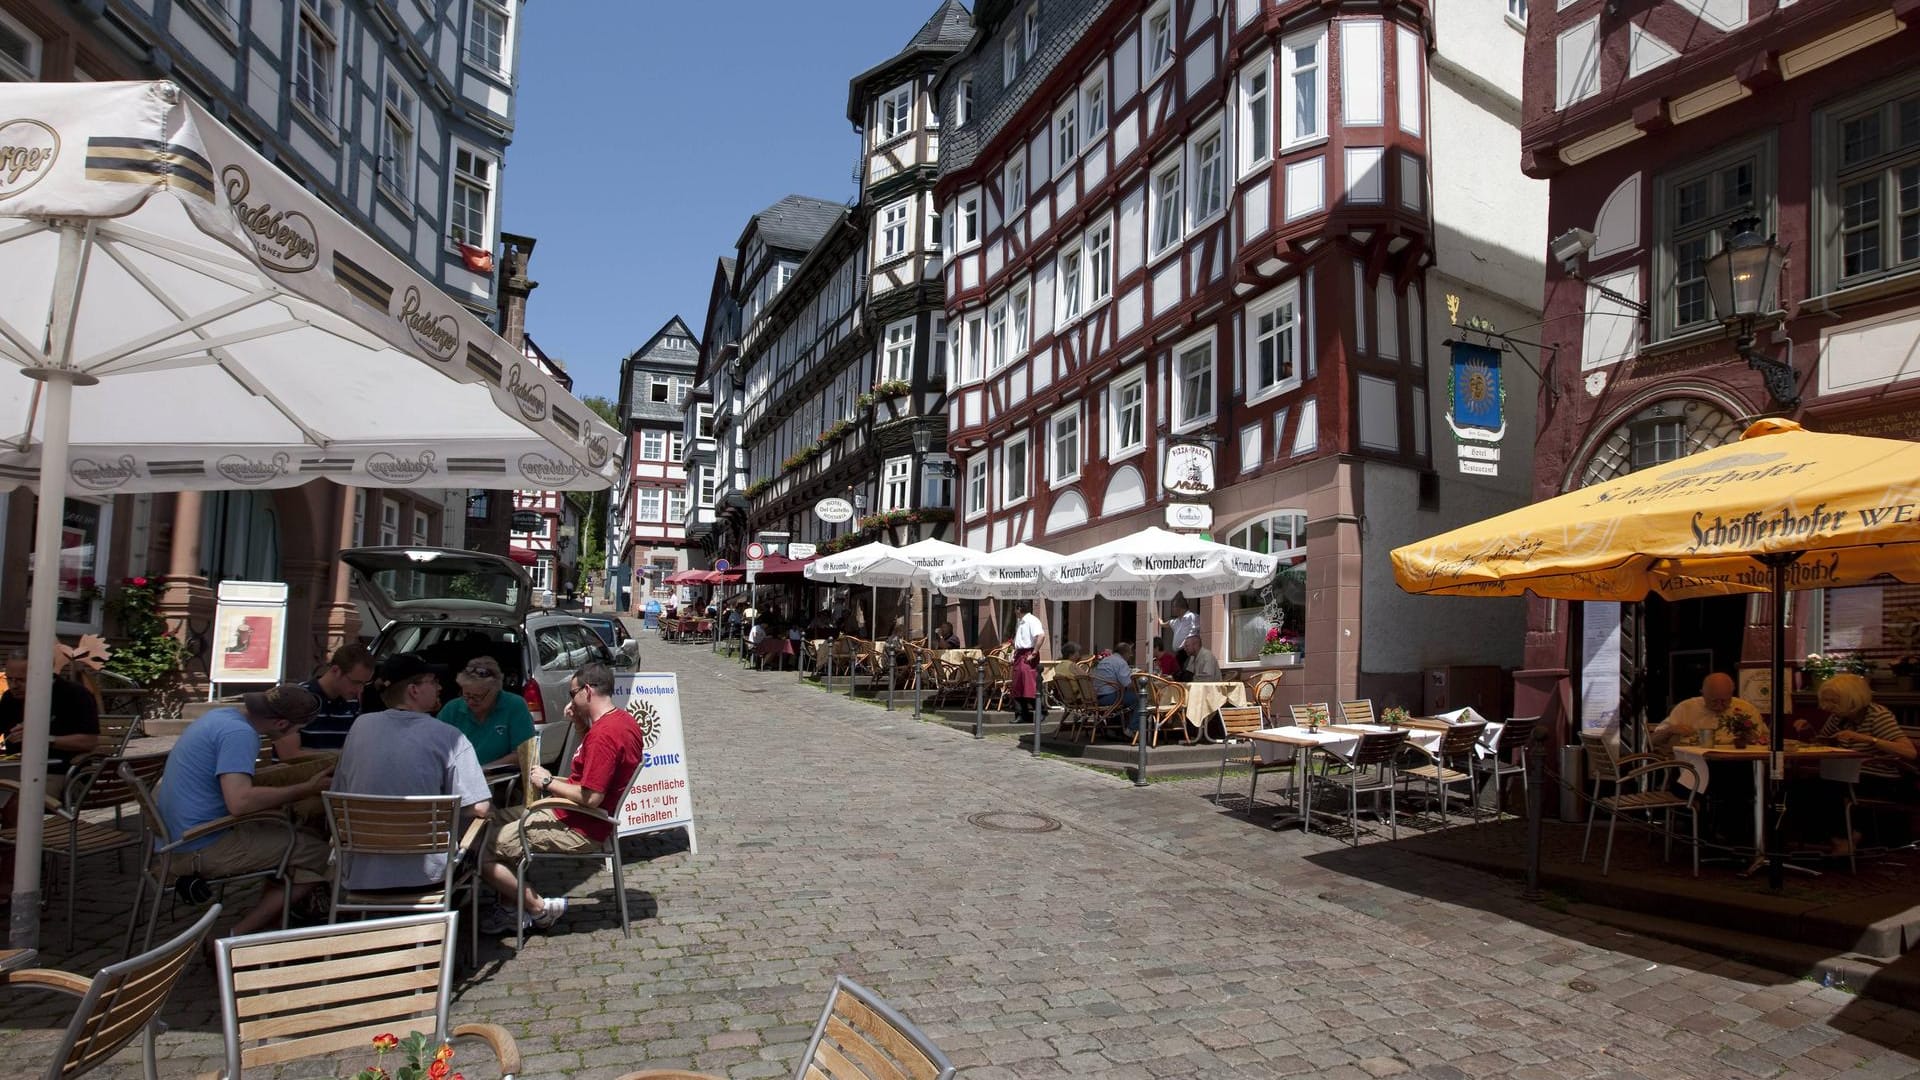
x: 648, y: 130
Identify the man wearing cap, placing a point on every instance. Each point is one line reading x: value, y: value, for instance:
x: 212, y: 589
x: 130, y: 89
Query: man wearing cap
x: 403, y: 750
x: 209, y: 775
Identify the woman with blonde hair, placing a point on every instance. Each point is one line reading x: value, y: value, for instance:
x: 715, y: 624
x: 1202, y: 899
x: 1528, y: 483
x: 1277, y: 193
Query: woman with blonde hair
x: 1857, y: 723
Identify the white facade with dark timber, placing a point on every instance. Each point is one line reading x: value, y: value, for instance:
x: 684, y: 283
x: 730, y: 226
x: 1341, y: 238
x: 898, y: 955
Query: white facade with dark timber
x: 656, y: 385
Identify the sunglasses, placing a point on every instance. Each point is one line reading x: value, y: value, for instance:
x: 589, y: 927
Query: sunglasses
x: 482, y: 672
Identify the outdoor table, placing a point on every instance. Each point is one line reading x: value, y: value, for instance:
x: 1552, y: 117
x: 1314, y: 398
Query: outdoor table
x: 1836, y: 763
x: 1206, y: 698
x: 1267, y: 743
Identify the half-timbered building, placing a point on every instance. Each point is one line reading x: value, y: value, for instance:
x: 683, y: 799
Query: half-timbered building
x: 656, y: 383
x: 1659, y: 132
x: 543, y: 532
x: 723, y: 534
x: 1237, y: 231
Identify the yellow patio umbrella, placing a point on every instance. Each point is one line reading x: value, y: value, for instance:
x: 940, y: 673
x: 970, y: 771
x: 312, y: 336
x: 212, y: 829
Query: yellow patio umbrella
x: 1783, y: 508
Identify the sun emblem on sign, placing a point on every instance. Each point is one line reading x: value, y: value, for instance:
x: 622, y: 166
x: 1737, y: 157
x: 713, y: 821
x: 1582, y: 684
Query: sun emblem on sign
x: 1479, y: 384
x: 645, y: 715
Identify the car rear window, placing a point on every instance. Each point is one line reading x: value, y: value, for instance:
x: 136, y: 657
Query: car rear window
x: 453, y: 646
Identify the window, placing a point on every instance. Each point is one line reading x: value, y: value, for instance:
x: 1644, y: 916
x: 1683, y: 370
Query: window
x: 1157, y: 39
x: 896, y: 113
x: 1517, y: 11
x: 963, y: 101
x: 677, y: 504
x: 658, y: 387
x: 1016, y: 471
x: 896, y: 361
x: 1064, y: 436
x: 1193, y: 385
x: 541, y: 574
x: 1692, y: 210
x: 479, y: 505
x: 1071, y: 284
x: 389, y: 523
x: 422, y: 528
x: 1031, y: 31
x: 471, y: 219
x: 19, y: 52
x: 1168, y: 195
x: 1256, y: 114
x: 1065, y: 137
x: 681, y: 388
x: 1870, y: 181
x: 1208, y: 153
x: 1010, y: 61
x: 1129, y: 415
x: 970, y: 219
x: 1018, y: 305
x: 997, y: 354
x: 936, y: 489
x: 896, y: 485
x: 1099, y: 247
x: 937, y: 366
x: 1657, y: 440
x: 677, y: 445
x: 705, y: 428
x: 976, y: 341
x: 1015, y: 187
x: 313, y: 50
x: 1273, y: 350
x: 1093, y: 109
x: 653, y: 446
x: 893, y: 229
x: 1303, y: 109
x: 1281, y: 603
x: 487, y: 41
x: 650, y: 504
x: 977, y: 485
x: 396, y: 139
x: 707, y: 480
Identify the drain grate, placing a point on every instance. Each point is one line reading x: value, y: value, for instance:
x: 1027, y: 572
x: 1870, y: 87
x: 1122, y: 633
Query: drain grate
x: 1020, y: 821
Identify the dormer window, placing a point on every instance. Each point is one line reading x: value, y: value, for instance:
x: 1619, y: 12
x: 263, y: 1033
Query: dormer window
x: 896, y: 114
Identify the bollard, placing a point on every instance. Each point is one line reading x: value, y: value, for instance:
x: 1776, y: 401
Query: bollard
x: 853, y: 673
x: 829, y: 679
x: 1140, y: 771
x: 889, y: 658
x: 980, y: 700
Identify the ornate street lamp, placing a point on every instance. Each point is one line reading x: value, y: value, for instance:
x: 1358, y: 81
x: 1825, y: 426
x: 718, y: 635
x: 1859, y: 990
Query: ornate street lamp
x: 922, y: 445
x: 1743, y: 281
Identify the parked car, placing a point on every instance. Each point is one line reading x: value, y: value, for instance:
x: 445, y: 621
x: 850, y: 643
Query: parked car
x: 626, y: 647
x: 451, y: 606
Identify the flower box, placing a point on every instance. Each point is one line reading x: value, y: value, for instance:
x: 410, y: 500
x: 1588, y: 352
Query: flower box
x: 1279, y: 659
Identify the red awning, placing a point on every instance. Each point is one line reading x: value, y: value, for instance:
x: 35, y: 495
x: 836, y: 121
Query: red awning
x: 724, y: 577
x: 779, y: 569
x: 523, y: 556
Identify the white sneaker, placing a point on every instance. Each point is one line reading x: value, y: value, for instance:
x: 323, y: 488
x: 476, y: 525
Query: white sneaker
x: 550, y: 913
x: 502, y: 920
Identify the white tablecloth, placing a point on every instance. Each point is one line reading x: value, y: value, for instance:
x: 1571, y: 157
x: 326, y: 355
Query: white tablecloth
x: 1341, y: 743
x: 1836, y: 765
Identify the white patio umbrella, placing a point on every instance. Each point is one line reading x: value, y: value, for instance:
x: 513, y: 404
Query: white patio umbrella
x: 1153, y: 563
x: 187, y: 317
x: 1013, y: 573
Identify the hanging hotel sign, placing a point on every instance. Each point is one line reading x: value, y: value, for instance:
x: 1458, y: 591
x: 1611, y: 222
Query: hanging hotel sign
x: 1476, y: 407
x: 1191, y: 517
x: 833, y: 511
x: 1189, y: 469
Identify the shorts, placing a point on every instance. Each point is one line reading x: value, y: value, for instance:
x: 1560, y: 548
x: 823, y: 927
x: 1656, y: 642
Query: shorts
x: 542, y: 830
x: 253, y: 846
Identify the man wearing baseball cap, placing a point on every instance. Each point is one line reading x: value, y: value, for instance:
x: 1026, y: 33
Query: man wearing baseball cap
x: 209, y: 775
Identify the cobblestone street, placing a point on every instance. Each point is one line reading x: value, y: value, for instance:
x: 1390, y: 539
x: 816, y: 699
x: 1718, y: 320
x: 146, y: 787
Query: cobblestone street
x: 1151, y: 935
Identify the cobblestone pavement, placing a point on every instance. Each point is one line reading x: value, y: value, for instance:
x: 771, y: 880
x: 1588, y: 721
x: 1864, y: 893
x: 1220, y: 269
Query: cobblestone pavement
x: 1151, y: 935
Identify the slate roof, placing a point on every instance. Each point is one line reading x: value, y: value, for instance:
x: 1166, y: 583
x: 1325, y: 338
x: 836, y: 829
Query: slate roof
x: 797, y: 222
x: 726, y: 267
x: 947, y: 32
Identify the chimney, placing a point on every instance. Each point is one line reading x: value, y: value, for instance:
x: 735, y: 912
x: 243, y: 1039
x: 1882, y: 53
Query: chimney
x: 515, y: 287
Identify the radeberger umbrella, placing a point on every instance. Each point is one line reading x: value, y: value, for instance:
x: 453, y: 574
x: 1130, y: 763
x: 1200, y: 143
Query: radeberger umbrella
x: 1783, y: 508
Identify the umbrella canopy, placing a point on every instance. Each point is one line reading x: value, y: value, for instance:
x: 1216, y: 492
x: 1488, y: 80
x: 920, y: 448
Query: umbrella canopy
x: 1155, y: 563
x: 1014, y: 573
x: 1704, y: 524
x: 839, y: 568
x: 187, y: 317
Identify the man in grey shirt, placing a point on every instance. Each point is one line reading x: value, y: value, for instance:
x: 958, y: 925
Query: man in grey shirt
x: 403, y: 750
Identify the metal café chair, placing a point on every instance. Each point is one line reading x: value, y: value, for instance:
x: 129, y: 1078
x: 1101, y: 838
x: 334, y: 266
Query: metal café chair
x: 1603, y: 768
x: 1235, y: 722
x: 1369, y: 768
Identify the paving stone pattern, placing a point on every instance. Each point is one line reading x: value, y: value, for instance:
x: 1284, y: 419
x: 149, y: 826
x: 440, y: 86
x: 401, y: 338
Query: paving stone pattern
x: 1152, y: 935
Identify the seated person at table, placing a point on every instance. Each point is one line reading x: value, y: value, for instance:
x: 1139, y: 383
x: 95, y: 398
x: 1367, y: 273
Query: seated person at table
x: 1165, y: 661
x: 209, y: 775
x: 73, y: 727
x: 1708, y: 712
x: 338, y: 686
x: 756, y: 637
x: 1200, y: 666
x: 1067, y: 664
x: 494, y: 721
x: 1113, y: 682
x: 1857, y: 722
x: 612, y: 747
x: 403, y: 750
x: 944, y: 638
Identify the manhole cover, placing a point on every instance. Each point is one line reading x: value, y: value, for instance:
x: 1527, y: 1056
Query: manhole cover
x: 1014, y: 821
x: 1582, y: 986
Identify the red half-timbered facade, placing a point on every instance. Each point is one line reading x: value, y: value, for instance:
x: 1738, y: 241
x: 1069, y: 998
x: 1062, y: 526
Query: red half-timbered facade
x: 650, y: 535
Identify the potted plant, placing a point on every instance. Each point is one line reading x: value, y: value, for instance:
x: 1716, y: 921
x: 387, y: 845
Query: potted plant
x: 1742, y: 726
x: 1394, y: 717
x: 1819, y: 667
x: 1316, y: 717
x: 1279, y: 650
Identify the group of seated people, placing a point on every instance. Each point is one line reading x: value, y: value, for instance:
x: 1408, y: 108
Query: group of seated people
x: 1719, y: 717
x: 414, y: 745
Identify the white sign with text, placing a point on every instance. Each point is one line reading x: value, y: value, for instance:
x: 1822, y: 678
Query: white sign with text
x: 661, y: 797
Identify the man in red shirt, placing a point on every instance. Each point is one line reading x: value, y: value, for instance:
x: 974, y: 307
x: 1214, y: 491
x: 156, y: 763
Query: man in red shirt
x: 611, y: 749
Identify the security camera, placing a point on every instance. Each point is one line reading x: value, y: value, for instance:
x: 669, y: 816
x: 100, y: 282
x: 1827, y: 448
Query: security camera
x: 1570, y: 246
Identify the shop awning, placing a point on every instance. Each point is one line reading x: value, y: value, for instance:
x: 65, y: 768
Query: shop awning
x: 523, y: 556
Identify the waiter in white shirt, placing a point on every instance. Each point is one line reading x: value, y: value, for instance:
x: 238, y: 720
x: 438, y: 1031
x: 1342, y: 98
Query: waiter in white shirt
x: 1184, y: 625
x: 1028, y: 634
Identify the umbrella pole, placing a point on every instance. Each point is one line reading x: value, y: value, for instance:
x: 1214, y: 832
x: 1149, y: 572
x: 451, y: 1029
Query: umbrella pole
x: 1776, y: 761
x: 59, y: 380
x: 1140, y: 771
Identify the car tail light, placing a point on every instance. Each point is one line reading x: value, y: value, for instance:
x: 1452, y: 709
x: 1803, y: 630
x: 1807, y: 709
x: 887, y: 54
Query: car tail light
x: 535, y: 707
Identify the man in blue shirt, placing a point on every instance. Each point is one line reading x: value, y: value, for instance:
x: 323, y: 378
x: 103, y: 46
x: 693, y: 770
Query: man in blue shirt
x: 1113, y: 682
x: 209, y: 776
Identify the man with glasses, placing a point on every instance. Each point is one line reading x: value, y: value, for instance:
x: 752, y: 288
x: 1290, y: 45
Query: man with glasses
x: 494, y: 721
x: 403, y: 750
x: 339, y: 687
x: 611, y: 750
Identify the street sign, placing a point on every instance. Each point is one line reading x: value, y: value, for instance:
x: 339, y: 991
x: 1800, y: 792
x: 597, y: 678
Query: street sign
x: 754, y: 566
x: 722, y: 565
x: 1189, y: 516
x: 755, y: 553
x: 833, y: 511
x: 801, y: 551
